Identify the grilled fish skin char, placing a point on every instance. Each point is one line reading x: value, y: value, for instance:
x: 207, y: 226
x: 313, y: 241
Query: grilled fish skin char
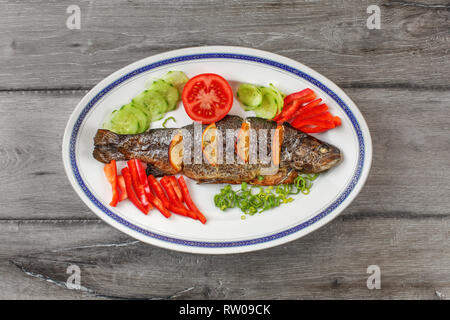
x: 300, y: 153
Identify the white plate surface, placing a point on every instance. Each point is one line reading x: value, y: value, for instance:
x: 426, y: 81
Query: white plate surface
x: 225, y: 232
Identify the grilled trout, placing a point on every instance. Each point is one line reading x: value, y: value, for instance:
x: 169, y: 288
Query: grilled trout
x: 297, y: 152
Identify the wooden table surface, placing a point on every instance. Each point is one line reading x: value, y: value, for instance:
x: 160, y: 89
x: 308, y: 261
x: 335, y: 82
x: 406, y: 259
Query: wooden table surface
x: 399, y: 76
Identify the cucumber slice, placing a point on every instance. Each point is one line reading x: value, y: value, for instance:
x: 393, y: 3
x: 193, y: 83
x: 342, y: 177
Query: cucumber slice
x: 168, y: 91
x: 107, y: 123
x: 153, y: 102
x: 269, y: 106
x: 280, y: 99
x: 250, y: 96
x: 276, y: 95
x: 122, y: 121
x: 176, y: 78
x: 142, y: 117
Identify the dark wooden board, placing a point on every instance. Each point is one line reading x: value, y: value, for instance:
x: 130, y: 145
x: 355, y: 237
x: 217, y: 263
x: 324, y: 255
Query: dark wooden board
x: 398, y: 76
x: 410, y: 49
x: 330, y: 263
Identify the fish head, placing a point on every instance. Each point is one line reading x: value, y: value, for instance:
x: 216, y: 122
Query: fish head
x: 315, y: 156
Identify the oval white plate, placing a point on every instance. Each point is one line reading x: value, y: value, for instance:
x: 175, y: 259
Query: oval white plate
x: 225, y: 232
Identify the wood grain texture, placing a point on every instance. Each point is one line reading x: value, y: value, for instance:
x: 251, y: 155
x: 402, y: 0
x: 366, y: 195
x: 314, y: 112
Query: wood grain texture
x: 398, y: 76
x: 328, y: 264
x: 411, y: 49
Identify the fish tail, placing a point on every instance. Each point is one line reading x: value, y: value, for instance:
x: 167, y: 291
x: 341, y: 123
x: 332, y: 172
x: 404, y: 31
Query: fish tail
x: 106, y: 138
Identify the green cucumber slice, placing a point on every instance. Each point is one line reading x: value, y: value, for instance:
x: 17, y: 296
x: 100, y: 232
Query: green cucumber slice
x: 268, y: 108
x: 142, y: 117
x: 176, y: 78
x: 122, y: 121
x: 168, y: 91
x: 280, y: 99
x: 250, y: 96
x: 276, y: 95
x: 152, y: 101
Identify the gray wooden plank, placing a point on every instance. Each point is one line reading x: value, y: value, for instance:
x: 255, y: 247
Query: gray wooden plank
x: 331, y: 263
x: 410, y: 50
x: 410, y: 173
x: 31, y: 169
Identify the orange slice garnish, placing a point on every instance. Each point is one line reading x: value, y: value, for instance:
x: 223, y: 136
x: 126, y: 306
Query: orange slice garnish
x: 176, y: 152
x: 243, y: 142
x: 209, y: 144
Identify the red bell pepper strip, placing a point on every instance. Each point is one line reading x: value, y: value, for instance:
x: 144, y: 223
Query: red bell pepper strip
x: 131, y: 195
x: 288, y: 111
x: 290, y: 99
x: 178, y: 210
x: 306, y: 93
x: 111, y: 174
x: 306, y: 109
x: 138, y: 187
x: 176, y: 188
x: 187, y: 198
x: 313, y: 122
x: 337, y: 121
x: 159, y: 205
x: 158, y: 190
x: 165, y: 182
x: 175, y: 205
x: 123, y: 189
x: 315, y: 129
x: 182, y: 211
x: 315, y: 111
x: 143, y: 177
x: 323, y: 117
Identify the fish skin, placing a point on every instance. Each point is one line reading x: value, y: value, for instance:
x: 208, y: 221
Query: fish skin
x: 300, y: 153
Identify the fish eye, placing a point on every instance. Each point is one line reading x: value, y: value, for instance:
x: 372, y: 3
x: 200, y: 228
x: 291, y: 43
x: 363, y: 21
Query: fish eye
x: 323, y: 150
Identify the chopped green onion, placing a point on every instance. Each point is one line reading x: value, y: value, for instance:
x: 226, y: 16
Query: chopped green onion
x: 267, y: 197
x: 169, y: 118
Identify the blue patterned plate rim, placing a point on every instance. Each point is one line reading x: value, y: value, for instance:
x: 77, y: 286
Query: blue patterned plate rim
x: 217, y: 55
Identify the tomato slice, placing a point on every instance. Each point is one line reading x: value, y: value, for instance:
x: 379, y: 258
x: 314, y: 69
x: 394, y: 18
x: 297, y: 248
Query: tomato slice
x: 207, y: 98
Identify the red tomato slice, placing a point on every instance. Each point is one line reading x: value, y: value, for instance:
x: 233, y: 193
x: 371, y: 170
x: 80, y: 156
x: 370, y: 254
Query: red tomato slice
x: 207, y: 98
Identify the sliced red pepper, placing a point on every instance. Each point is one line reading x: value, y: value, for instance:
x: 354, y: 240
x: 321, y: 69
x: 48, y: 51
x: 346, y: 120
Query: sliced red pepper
x: 298, y: 120
x: 158, y: 190
x: 167, y: 185
x: 175, y: 205
x: 188, y: 200
x: 159, y: 205
x: 176, y: 188
x: 322, y: 117
x: 123, y: 189
x: 287, y: 103
x: 130, y: 192
x: 178, y: 210
x: 288, y: 111
x: 306, y: 109
x: 111, y: 174
x: 315, y: 129
x: 303, y: 94
x: 313, y: 112
x: 337, y: 121
x: 182, y: 211
x: 143, y: 177
x: 138, y: 187
x: 313, y: 122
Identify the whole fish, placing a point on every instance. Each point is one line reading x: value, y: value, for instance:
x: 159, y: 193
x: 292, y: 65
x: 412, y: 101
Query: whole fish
x: 299, y: 153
